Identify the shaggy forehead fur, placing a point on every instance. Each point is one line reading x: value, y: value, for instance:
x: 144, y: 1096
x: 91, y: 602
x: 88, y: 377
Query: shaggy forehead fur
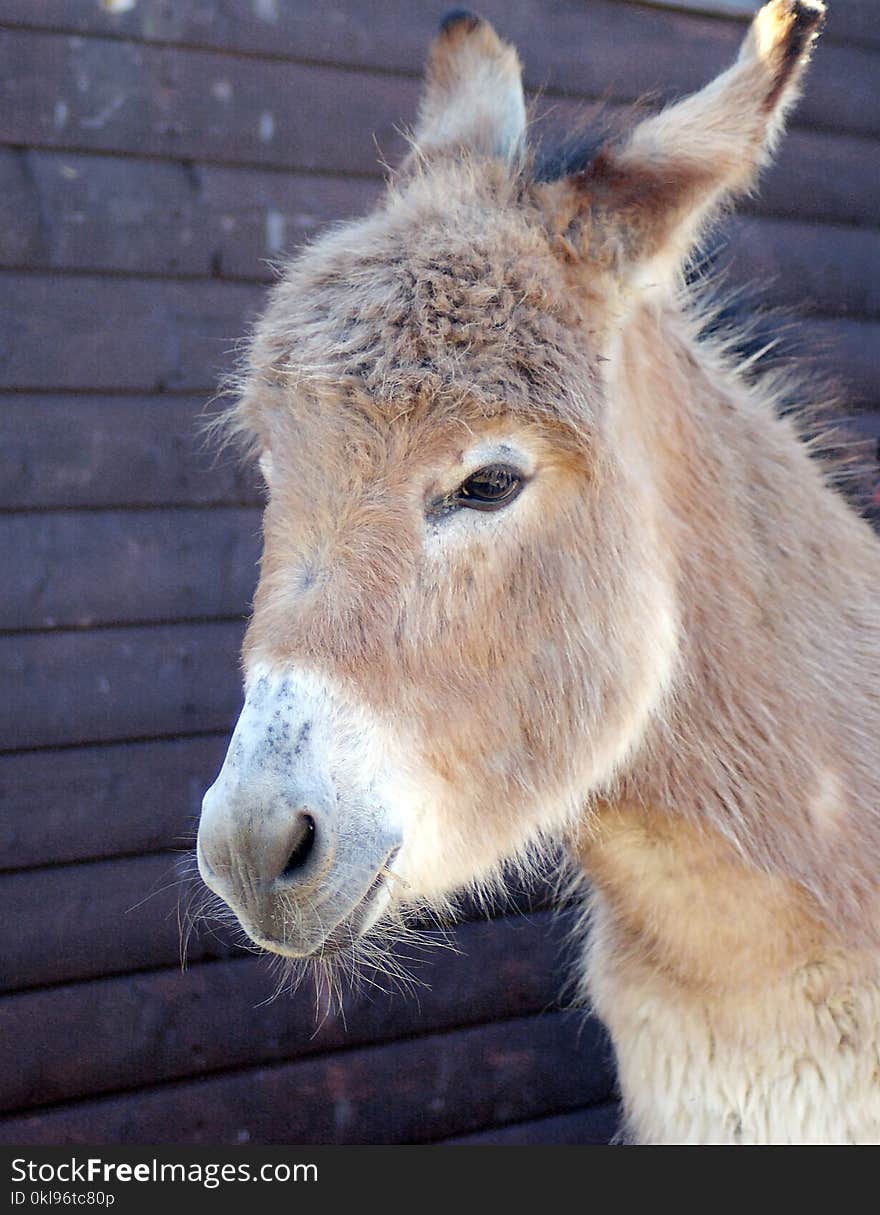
x: 448, y: 298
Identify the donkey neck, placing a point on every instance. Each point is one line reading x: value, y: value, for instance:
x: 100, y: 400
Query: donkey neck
x: 681, y: 903
x: 735, y: 943
x: 767, y: 737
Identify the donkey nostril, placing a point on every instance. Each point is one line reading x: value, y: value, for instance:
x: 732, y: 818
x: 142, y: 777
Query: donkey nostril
x: 305, y: 841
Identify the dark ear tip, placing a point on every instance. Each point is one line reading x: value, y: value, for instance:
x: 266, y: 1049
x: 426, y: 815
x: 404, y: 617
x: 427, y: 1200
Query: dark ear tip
x: 809, y: 15
x: 460, y: 19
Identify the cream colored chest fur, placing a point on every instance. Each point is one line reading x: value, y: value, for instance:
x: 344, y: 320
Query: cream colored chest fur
x: 734, y: 1021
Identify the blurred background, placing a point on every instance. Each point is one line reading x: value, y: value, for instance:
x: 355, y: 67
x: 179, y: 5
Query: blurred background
x: 157, y: 156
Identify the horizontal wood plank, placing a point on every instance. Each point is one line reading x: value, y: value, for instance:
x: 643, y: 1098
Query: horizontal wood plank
x: 866, y: 424
x: 852, y: 21
x: 116, y: 451
x: 711, y: 8
x: 814, y: 268
x: 89, y: 567
x: 833, y: 178
x: 68, y: 211
x: 428, y: 1088
x: 849, y: 352
x: 98, y: 213
x: 167, y: 1025
x: 84, y: 803
x: 595, y: 1125
x: 102, y: 95
x: 114, y: 684
x: 612, y: 50
x: 107, y: 917
x: 92, y: 333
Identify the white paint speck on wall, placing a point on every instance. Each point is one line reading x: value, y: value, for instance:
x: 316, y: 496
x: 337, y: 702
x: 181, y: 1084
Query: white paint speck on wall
x: 267, y: 126
x: 266, y: 10
x: 274, y: 231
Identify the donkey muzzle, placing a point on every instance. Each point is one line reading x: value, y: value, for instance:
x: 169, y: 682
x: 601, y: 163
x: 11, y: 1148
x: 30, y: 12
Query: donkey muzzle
x: 293, y: 836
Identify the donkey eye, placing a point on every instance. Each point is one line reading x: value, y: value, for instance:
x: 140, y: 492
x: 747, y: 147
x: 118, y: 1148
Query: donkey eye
x: 488, y: 488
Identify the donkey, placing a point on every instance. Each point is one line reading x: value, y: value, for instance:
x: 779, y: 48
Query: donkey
x: 544, y: 565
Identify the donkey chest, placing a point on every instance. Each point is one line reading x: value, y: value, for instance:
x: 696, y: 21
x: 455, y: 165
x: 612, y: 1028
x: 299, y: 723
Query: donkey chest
x: 733, y: 1019
x: 777, y: 1067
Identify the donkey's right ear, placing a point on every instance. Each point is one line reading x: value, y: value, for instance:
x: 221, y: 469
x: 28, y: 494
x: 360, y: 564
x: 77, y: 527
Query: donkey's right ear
x: 473, y: 98
x: 639, y: 208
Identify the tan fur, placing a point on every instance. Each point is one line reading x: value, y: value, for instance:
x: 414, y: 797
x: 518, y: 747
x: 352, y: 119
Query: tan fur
x: 738, y: 1017
x: 686, y: 905
x: 665, y: 651
x: 473, y: 94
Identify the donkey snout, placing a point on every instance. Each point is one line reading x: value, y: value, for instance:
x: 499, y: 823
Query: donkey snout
x: 251, y: 849
x: 295, y: 836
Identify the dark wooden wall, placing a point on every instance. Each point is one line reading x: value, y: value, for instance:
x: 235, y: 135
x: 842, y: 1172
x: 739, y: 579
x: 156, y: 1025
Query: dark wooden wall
x: 152, y: 164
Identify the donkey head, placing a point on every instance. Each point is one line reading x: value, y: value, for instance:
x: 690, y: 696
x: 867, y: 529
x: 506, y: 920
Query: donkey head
x: 466, y: 616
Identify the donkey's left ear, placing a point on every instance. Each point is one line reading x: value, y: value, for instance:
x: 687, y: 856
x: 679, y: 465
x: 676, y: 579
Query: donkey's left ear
x: 639, y: 208
x: 473, y: 96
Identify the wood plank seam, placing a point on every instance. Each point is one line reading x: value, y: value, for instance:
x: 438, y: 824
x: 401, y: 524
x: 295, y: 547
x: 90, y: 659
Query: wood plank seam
x: 726, y: 14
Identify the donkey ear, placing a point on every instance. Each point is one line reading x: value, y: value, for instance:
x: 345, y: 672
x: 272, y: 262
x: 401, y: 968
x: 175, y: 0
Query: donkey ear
x: 641, y: 204
x: 473, y: 94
